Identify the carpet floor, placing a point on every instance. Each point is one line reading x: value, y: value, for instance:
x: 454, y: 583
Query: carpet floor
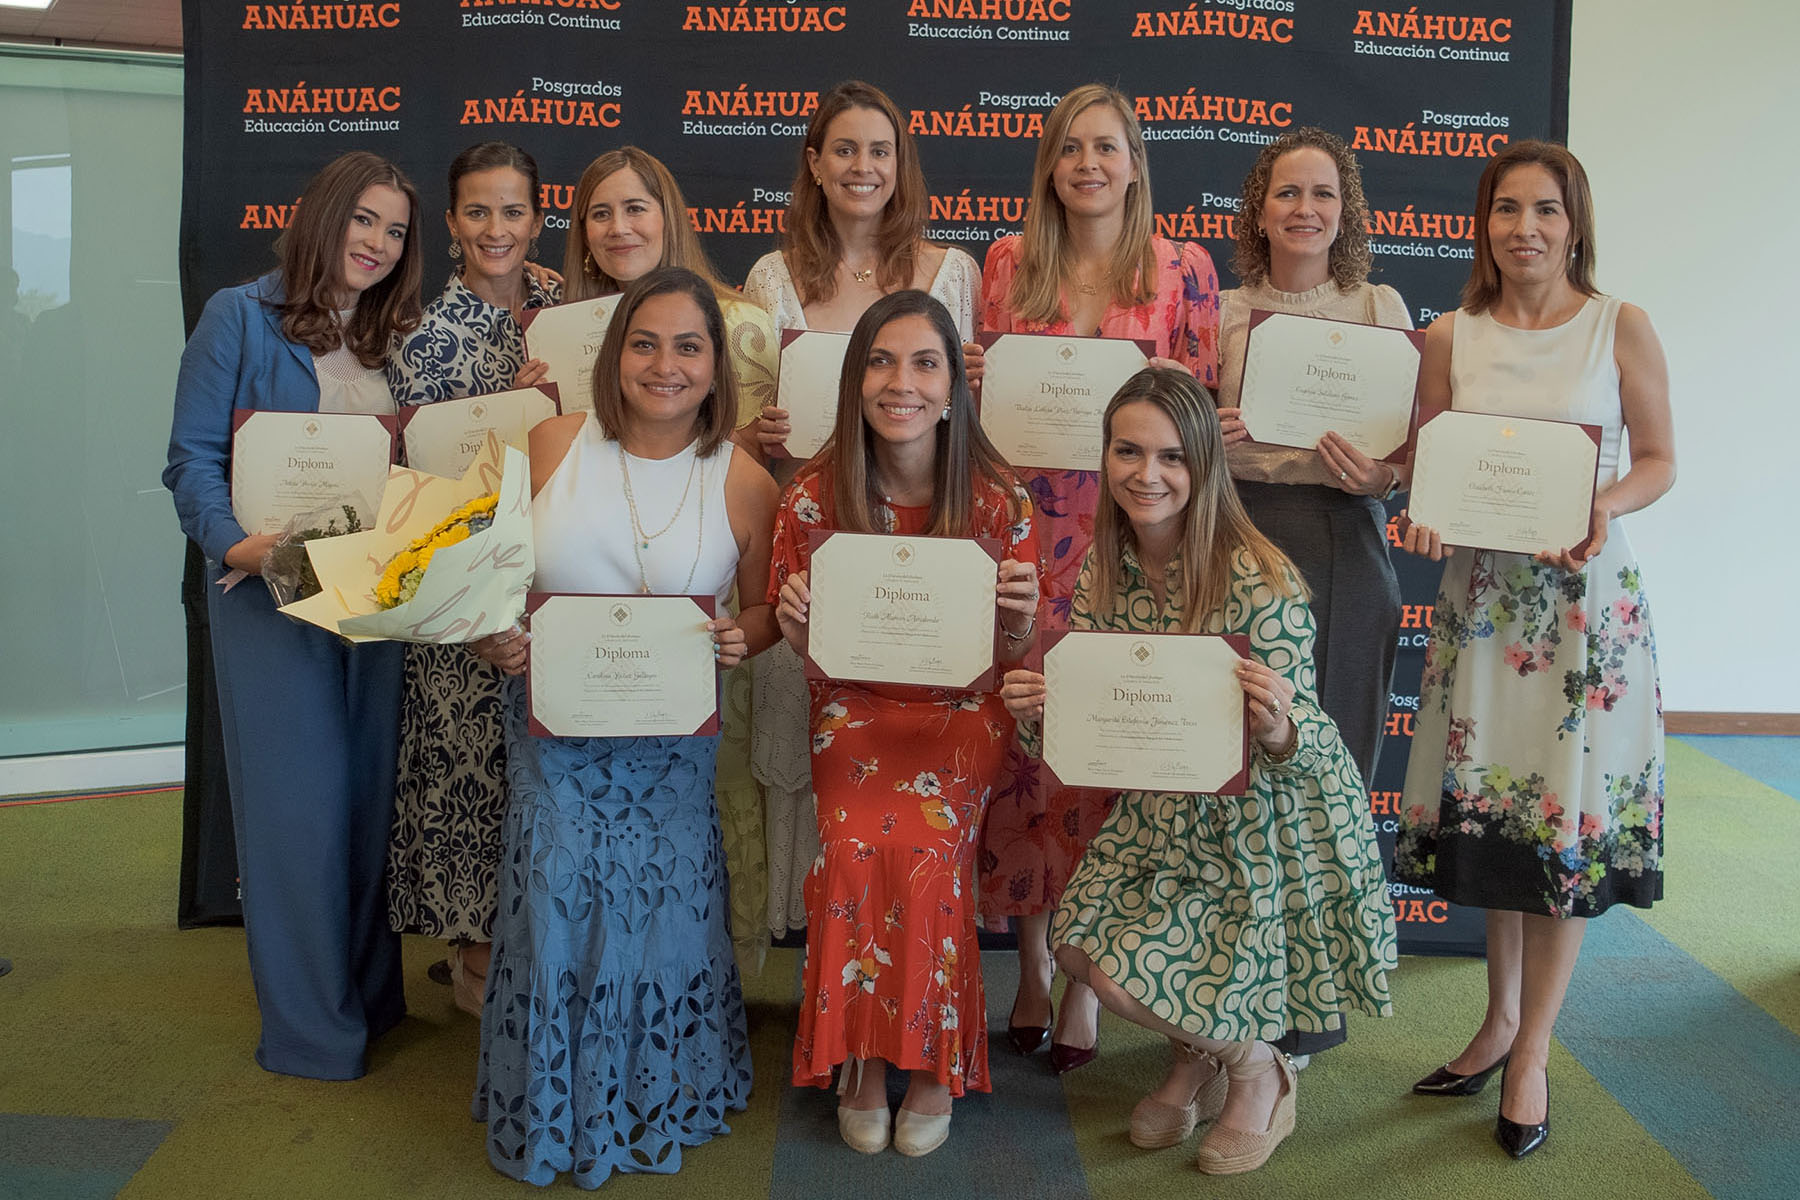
x: 125, y: 1065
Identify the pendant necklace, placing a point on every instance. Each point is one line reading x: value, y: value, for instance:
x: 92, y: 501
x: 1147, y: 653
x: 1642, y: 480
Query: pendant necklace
x: 640, y: 541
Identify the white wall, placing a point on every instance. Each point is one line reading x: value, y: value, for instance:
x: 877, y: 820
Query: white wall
x: 1684, y: 115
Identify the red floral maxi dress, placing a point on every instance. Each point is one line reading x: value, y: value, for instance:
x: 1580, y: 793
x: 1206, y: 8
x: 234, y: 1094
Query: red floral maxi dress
x: 1035, y: 834
x: 901, y: 778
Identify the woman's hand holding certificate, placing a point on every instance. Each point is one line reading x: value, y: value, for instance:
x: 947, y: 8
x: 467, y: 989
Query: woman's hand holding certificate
x: 1495, y: 482
x: 1305, y: 377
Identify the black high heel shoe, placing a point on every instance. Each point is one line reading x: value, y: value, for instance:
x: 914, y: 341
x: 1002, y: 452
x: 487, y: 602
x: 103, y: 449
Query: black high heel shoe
x: 1026, y: 1038
x: 1445, y: 1082
x: 1519, y: 1140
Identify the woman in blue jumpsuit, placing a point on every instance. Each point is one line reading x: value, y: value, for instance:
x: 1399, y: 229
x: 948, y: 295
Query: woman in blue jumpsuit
x: 309, y: 722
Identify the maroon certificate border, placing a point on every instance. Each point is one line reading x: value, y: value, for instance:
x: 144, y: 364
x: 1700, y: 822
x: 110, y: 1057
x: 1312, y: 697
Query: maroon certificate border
x: 536, y: 600
x: 1415, y: 336
x: 1237, y: 785
x: 984, y: 682
x: 1431, y: 412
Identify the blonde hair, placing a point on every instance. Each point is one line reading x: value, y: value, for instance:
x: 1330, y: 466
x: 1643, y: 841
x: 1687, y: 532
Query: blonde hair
x: 1214, y: 526
x: 1044, y: 262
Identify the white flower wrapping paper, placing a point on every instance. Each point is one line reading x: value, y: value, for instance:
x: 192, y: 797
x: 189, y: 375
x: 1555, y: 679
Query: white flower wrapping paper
x: 472, y: 589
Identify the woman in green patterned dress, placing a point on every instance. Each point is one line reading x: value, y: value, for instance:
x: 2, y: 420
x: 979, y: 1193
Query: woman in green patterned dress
x: 1221, y: 922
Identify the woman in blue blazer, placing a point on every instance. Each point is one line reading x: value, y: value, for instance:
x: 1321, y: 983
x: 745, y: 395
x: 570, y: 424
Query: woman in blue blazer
x: 309, y: 722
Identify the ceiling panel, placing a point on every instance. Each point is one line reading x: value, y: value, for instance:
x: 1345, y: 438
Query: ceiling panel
x: 137, y: 24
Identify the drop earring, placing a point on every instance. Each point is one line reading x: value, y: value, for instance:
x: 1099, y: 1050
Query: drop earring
x: 455, y: 250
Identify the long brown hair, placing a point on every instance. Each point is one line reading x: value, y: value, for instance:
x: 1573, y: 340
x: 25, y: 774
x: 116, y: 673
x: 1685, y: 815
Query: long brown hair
x: 810, y: 243
x: 1350, y: 256
x: 1483, y: 288
x: 1214, y: 527
x: 963, y: 451
x: 582, y: 277
x: 718, y: 412
x: 311, y: 250
x: 1044, y: 264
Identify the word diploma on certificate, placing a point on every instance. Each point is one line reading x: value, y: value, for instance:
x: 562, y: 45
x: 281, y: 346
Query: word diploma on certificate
x: 621, y: 666
x: 812, y: 360
x: 1492, y: 482
x: 1146, y: 712
x: 1043, y: 395
x: 906, y: 610
x: 567, y: 337
x: 1305, y: 377
x: 445, y: 437
x: 286, y: 465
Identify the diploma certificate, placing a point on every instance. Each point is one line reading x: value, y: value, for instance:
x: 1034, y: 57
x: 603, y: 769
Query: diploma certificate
x: 285, y: 465
x: 1505, y: 483
x: 621, y: 666
x: 811, y: 362
x: 909, y: 610
x: 567, y: 337
x: 1146, y: 712
x: 1043, y: 395
x: 444, y: 438
x: 1305, y: 377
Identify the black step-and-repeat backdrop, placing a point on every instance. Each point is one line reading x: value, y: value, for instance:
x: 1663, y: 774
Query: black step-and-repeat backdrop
x: 1424, y: 93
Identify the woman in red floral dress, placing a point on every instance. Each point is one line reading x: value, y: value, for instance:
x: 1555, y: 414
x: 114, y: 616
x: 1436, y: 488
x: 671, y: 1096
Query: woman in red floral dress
x: 1088, y: 263
x: 901, y: 775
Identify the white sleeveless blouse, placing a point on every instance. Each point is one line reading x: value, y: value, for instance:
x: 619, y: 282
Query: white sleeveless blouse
x: 583, y: 524
x: 1566, y: 373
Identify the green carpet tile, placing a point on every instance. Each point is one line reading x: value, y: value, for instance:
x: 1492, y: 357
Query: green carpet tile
x: 126, y: 1066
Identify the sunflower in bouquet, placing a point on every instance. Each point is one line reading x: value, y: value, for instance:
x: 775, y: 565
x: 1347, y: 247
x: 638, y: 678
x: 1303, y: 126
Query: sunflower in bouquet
x: 400, y: 579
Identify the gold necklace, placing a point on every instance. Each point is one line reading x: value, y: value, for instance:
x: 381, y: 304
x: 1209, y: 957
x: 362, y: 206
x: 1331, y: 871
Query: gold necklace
x: 640, y: 541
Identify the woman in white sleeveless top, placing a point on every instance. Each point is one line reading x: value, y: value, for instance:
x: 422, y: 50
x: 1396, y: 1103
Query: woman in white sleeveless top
x: 1535, y: 786
x: 613, y: 1032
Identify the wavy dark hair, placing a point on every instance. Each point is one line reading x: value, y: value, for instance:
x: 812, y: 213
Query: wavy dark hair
x: 810, y: 242
x: 311, y: 251
x: 963, y: 451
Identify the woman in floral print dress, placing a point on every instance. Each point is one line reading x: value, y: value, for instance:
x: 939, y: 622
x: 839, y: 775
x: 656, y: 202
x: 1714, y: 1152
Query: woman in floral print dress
x: 1088, y: 263
x: 1535, y: 786
x: 901, y: 775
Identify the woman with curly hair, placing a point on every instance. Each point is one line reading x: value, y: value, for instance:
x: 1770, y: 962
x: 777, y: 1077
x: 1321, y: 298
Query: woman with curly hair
x: 1303, y: 248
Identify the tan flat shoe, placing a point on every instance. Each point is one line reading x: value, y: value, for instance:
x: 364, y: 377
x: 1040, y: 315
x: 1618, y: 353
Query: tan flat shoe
x: 918, y: 1134
x: 865, y: 1130
x: 1228, y: 1151
x: 468, y: 987
x: 1157, y: 1126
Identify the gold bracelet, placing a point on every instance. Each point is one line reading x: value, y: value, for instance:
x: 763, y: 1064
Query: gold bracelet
x: 1283, y: 755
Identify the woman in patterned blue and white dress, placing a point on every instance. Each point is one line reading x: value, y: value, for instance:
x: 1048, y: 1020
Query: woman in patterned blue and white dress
x: 451, y: 788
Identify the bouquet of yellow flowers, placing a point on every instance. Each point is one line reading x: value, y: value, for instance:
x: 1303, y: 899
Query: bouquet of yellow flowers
x: 445, y: 560
x: 401, y: 577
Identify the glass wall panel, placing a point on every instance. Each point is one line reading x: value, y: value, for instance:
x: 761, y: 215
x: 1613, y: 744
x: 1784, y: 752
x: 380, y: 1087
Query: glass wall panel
x: 90, y: 338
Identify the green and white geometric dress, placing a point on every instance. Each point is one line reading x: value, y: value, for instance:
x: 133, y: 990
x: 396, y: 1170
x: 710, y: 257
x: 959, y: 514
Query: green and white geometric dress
x: 1239, y: 917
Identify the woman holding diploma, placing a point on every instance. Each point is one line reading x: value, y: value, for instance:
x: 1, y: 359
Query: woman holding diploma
x: 1303, y: 248
x: 902, y: 774
x: 614, y: 1028
x: 855, y: 233
x: 633, y: 219
x: 1222, y: 922
x: 1535, y: 787
x: 451, y: 788
x: 1088, y: 263
x: 309, y: 723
